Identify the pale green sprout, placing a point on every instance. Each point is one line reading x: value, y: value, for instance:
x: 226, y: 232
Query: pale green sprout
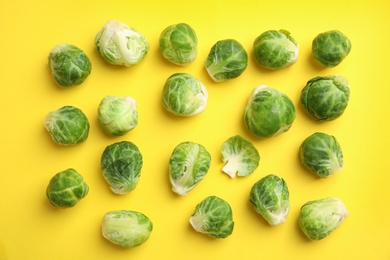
x: 240, y: 156
x: 213, y: 216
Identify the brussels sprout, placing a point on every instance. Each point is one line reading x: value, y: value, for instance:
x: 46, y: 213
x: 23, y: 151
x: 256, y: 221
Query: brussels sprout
x: 240, y: 155
x: 184, y: 95
x: 66, y: 188
x: 330, y: 48
x: 275, y: 49
x: 126, y: 228
x: 69, y: 65
x: 321, y: 154
x: 117, y: 115
x: 227, y: 59
x: 268, y: 112
x: 179, y: 44
x: 67, y: 125
x: 213, y: 216
x: 270, y: 198
x: 188, y: 165
x: 121, y: 165
x: 121, y: 45
x: 326, y: 97
x: 318, y: 218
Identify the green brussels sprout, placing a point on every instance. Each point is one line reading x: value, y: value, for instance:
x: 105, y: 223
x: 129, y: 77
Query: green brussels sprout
x: 67, y: 125
x: 268, y: 112
x: 121, y: 45
x: 188, y: 165
x: 66, y: 188
x: 325, y: 98
x: 227, y: 59
x: 179, y: 44
x: 330, y: 48
x: 318, y: 218
x: 184, y: 95
x: 121, y: 165
x: 240, y: 156
x: 126, y: 228
x: 213, y: 216
x: 117, y: 115
x: 275, y: 49
x: 69, y: 65
x: 321, y: 154
x: 270, y: 198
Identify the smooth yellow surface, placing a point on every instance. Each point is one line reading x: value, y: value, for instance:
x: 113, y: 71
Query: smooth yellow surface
x: 30, y: 228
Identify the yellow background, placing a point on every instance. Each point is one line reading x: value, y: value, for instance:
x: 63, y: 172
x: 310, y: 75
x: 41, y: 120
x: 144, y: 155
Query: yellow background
x: 30, y: 228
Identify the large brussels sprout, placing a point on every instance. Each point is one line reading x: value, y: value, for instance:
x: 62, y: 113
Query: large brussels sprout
x: 321, y: 154
x: 67, y: 125
x: 227, y: 59
x: 268, y: 112
x: 330, y: 48
x: 121, y: 165
x: 117, y: 115
x: 126, y: 228
x: 325, y: 98
x: 69, y: 65
x: 121, y: 45
x: 270, y: 198
x: 240, y: 156
x: 188, y: 165
x: 213, y: 216
x: 184, y: 95
x: 275, y: 49
x: 179, y: 44
x: 318, y: 218
x: 66, y: 188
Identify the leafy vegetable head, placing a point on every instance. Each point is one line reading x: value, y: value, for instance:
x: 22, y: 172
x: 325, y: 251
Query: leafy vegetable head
x: 268, y: 112
x: 121, y: 165
x: 66, y: 188
x: 318, y: 218
x: 275, y: 49
x: 67, y: 125
x: 227, y: 59
x: 126, y: 228
x: 184, y: 95
x: 240, y: 155
x: 188, y: 165
x: 270, y: 198
x: 121, y: 45
x: 325, y: 98
x: 213, y: 216
x: 179, y: 44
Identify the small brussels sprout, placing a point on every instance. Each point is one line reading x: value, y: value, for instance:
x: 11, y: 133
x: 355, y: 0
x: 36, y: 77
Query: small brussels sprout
x: 268, y: 112
x: 318, y: 218
x: 240, y: 156
x: 188, y: 165
x: 227, y: 59
x: 270, y: 198
x: 184, y: 95
x: 121, y: 45
x: 121, y: 165
x: 67, y: 125
x: 179, y: 44
x: 321, y: 154
x: 126, y: 228
x: 275, y: 49
x: 117, y: 115
x: 325, y: 98
x: 330, y: 48
x: 66, y: 188
x: 213, y: 216
x: 69, y: 65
